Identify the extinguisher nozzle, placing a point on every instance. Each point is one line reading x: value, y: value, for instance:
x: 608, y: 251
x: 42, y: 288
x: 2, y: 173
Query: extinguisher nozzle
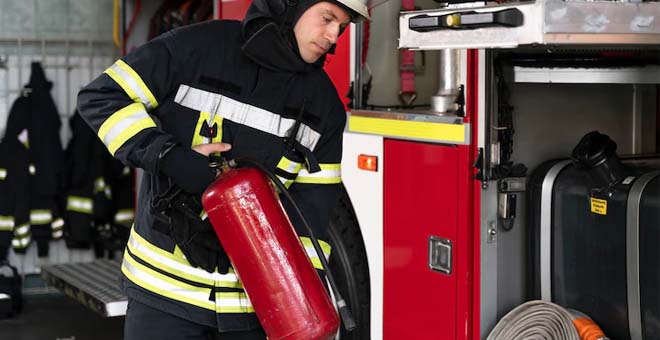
x: 346, y: 316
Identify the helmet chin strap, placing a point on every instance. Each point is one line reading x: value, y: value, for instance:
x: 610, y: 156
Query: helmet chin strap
x: 289, y: 16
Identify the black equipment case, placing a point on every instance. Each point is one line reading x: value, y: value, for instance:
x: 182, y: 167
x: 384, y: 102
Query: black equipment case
x: 594, y: 237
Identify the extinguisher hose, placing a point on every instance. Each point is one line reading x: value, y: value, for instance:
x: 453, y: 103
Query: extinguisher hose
x: 344, y: 311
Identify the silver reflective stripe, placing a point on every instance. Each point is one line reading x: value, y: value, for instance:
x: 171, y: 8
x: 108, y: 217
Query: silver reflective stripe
x: 632, y: 254
x: 6, y: 223
x: 329, y: 174
x: 80, y: 204
x: 99, y: 184
x: 21, y: 242
x: 3, y: 174
x: 40, y: 217
x: 22, y: 230
x: 124, y: 215
x: 145, y: 252
x: 233, y: 302
x: 312, y: 254
x: 57, y: 234
x: 58, y: 223
x: 125, y: 119
x: 121, y: 73
x: 198, y: 295
x: 289, y: 167
x: 32, y: 169
x: 244, y: 114
x: 546, y: 229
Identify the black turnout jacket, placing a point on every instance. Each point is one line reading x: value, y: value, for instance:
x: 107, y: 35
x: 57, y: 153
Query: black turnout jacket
x: 210, y: 82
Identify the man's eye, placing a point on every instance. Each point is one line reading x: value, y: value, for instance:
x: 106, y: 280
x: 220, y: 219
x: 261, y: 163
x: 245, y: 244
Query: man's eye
x: 327, y: 19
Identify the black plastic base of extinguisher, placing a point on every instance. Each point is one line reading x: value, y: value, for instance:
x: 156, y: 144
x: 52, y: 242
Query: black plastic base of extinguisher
x: 348, y: 262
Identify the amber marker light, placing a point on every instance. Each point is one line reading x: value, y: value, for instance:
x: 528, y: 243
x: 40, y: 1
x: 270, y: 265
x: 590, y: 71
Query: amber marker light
x: 368, y: 162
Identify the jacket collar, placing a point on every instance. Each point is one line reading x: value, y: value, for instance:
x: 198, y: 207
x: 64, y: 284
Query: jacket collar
x: 278, y: 52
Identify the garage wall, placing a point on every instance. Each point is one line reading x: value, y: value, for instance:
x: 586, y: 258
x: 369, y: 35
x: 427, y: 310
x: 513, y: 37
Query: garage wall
x: 73, y: 40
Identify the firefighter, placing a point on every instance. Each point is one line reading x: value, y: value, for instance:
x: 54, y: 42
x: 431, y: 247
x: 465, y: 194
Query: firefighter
x: 253, y: 89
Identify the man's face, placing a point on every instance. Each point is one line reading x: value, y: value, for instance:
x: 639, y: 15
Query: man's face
x: 318, y: 29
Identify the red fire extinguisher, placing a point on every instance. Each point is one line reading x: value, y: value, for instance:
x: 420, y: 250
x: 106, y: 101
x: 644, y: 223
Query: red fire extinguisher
x: 286, y: 292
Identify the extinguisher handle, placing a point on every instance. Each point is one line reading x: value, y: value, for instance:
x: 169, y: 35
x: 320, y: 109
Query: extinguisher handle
x: 344, y: 311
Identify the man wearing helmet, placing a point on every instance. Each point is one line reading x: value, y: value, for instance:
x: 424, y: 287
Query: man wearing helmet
x: 253, y: 89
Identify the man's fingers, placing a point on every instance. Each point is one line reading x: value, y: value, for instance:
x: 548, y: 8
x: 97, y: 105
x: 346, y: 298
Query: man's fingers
x: 207, y: 149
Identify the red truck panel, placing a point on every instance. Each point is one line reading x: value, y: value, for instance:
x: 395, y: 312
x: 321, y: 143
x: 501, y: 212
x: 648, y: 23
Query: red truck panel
x: 421, y: 200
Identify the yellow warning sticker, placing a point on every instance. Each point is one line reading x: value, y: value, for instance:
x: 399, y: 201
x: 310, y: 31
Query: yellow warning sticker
x: 598, y: 206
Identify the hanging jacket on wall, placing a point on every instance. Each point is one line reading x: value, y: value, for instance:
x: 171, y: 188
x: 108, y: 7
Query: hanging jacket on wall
x: 99, y: 193
x: 14, y: 201
x: 272, y: 108
x: 47, y: 158
x: 15, y: 162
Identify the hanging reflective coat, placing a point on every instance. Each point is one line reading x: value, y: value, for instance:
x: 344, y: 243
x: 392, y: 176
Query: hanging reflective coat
x: 33, y: 129
x: 99, y: 193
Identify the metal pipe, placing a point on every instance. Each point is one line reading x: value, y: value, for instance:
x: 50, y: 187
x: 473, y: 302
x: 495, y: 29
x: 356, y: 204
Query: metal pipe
x: 448, y: 82
x: 357, y: 81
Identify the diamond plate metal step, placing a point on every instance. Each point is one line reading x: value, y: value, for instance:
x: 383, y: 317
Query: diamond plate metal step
x: 94, y: 284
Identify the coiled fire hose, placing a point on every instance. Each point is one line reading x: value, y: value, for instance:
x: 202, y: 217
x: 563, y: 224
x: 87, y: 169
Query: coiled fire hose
x: 543, y: 320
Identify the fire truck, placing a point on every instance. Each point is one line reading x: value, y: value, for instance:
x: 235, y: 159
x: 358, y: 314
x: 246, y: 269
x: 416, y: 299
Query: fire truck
x: 437, y: 204
x: 452, y: 108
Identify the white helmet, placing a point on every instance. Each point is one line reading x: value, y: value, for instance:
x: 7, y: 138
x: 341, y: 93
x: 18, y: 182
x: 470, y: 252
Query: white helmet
x: 357, y: 6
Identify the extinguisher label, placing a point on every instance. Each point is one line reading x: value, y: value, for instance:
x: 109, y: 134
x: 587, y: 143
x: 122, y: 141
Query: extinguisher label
x: 598, y: 206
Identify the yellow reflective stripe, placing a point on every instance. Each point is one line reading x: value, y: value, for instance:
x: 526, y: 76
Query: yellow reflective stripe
x: 80, y: 204
x: 329, y: 174
x: 311, y: 252
x: 132, y: 84
x: 233, y: 302
x: 57, y: 234
x: 288, y: 166
x: 124, y: 215
x: 164, y: 285
x: 99, y: 184
x: 3, y: 174
x: 22, y: 230
x: 6, y: 223
x: 178, y: 265
x: 21, y: 241
x: 206, y: 117
x: 434, y: 131
x: 40, y: 216
x: 57, y: 224
x: 57, y: 228
x: 124, y: 124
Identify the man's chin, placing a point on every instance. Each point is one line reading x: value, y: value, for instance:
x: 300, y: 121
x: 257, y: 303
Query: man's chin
x: 312, y: 60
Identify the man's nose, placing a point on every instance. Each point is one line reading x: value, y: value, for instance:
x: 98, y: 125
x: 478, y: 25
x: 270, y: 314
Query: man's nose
x: 332, y: 34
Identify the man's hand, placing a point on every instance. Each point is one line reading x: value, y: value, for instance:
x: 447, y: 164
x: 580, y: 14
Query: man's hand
x: 189, y: 167
x: 207, y: 149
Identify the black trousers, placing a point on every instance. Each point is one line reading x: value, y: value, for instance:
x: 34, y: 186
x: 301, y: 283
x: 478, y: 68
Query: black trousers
x: 144, y: 322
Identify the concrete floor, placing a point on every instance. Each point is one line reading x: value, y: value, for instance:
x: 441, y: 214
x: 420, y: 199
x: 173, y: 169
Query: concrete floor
x: 58, y: 317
